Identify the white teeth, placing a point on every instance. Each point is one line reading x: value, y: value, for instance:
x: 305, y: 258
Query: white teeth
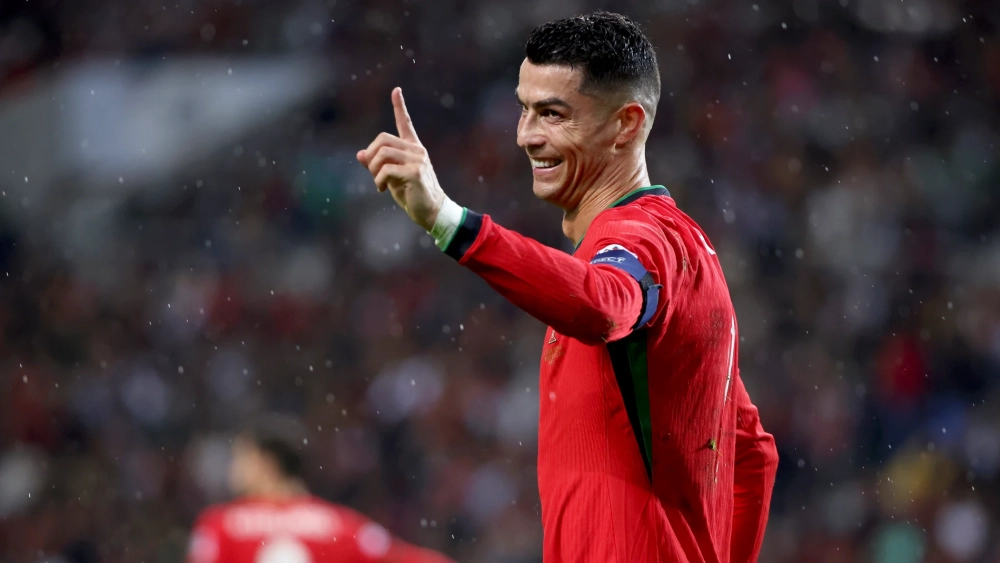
x: 535, y: 163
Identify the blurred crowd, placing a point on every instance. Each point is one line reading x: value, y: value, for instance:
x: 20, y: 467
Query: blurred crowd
x: 842, y: 155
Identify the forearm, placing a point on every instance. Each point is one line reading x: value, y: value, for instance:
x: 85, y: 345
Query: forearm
x: 591, y: 303
x: 756, y: 464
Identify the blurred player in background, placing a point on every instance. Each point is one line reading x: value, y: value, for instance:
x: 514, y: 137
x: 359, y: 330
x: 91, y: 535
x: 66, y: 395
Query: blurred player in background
x: 649, y: 448
x: 276, y: 520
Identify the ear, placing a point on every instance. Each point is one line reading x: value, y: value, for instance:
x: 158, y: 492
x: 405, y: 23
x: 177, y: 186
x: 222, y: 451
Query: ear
x: 631, y: 122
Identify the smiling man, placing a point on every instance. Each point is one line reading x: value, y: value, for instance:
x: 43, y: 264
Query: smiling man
x: 649, y: 448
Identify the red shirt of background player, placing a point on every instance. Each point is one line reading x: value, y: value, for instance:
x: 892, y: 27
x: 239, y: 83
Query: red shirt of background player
x: 296, y: 530
x: 275, y: 520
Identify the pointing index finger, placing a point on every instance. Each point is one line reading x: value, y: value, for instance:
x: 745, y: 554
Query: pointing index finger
x: 404, y: 125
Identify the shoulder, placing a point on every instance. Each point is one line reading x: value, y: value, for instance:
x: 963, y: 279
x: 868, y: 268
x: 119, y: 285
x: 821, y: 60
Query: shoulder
x: 634, y: 215
x: 205, y: 543
x: 212, y: 516
x: 371, y: 539
x: 651, y: 218
x: 640, y: 227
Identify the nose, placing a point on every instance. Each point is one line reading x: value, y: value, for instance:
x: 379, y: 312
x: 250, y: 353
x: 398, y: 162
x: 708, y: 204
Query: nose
x: 529, y: 133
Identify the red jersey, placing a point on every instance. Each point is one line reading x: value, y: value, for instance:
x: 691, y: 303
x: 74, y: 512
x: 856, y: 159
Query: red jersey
x: 649, y: 448
x: 299, y: 530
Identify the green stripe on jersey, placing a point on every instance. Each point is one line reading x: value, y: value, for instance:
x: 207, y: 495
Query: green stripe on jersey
x: 630, y: 363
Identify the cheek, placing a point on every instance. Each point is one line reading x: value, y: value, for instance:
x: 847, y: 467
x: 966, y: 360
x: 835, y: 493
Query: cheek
x: 567, y: 142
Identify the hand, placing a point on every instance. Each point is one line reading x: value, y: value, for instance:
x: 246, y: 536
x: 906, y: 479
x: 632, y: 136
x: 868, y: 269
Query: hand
x: 401, y: 165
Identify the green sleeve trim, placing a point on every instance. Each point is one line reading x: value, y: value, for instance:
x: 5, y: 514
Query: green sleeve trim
x: 443, y: 244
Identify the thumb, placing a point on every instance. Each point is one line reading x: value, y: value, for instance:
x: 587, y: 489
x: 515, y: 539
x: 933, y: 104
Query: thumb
x: 404, y: 125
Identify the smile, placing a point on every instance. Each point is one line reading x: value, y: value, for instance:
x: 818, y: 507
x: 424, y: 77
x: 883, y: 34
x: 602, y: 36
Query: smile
x: 544, y: 164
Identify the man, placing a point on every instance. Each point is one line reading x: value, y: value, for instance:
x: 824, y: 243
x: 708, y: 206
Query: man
x: 649, y: 447
x: 277, y: 521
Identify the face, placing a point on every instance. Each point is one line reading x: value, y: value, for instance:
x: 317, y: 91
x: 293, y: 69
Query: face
x: 570, y: 137
x: 246, y: 470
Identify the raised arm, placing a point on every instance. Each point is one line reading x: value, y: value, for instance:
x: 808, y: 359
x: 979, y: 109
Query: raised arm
x: 594, y: 301
x: 599, y: 298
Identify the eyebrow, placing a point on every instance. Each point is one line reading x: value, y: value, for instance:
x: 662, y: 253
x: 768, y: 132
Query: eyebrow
x: 547, y: 102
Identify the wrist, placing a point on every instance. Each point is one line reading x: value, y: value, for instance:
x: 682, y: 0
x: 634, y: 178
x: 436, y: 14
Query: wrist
x: 449, y: 219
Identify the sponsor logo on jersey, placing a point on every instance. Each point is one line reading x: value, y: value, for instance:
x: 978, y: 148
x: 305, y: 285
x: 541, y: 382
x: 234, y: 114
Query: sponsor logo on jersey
x: 300, y: 521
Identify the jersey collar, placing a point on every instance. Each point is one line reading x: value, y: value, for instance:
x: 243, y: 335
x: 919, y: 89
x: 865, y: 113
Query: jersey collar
x: 629, y: 198
x: 640, y: 192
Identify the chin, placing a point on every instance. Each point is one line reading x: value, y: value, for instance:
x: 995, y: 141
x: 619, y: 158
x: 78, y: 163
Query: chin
x: 546, y: 191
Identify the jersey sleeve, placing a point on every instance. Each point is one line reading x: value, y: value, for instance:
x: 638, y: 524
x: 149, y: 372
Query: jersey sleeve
x: 206, y: 542
x: 613, y: 285
x: 756, y: 465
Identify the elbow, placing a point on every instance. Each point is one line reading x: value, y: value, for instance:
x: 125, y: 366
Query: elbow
x: 770, y: 455
x: 595, y: 329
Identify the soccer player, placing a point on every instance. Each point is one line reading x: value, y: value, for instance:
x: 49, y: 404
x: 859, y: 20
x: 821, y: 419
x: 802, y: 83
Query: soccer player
x: 277, y: 521
x: 649, y: 448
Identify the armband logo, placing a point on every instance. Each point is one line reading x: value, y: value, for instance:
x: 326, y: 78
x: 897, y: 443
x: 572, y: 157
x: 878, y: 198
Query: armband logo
x: 612, y: 247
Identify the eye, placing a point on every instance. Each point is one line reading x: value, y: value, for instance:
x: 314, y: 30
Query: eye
x: 550, y: 113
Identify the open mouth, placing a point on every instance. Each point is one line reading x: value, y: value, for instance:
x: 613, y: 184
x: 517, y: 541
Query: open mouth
x: 544, y: 164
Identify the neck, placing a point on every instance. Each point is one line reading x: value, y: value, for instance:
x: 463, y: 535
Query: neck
x: 602, y: 194
x: 280, y: 489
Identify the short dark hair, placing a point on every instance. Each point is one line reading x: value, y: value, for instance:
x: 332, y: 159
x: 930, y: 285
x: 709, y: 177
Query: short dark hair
x: 282, y: 438
x: 610, y: 49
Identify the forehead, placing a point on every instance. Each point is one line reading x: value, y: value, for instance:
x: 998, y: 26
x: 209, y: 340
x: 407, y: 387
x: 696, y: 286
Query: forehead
x: 539, y: 82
